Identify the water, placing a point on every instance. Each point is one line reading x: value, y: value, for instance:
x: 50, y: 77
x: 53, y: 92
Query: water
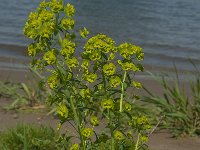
x: 168, y: 31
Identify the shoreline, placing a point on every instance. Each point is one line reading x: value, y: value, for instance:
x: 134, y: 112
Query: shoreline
x: 14, y: 56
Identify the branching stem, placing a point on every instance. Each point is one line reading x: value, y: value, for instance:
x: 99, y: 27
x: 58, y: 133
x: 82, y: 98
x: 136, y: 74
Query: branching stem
x: 122, y: 92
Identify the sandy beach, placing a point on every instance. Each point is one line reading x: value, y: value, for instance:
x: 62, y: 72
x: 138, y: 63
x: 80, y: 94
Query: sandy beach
x: 160, y: 140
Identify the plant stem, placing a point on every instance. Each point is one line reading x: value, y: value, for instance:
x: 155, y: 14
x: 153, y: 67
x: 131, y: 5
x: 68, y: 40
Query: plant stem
x: 104, y: 82
x: 122, y: 93
x: 113, y: 144
x: 137, y: 143
x: 77, y: 121
x: 111, y: 132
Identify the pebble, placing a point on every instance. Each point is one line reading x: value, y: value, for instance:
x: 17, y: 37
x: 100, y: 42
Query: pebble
x: 15, y: 116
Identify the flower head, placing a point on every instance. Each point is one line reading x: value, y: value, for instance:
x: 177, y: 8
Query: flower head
x: 140, y: 56
x: 50, y: 57
x: 87, y: 132
x: 72, y: 62
x: 136, y: 84
x: 90, y: 77
x: 85, y: 93
x: 107, y: 103
x: 128, y: 106
x: 84, y: 32
x: 56, y: 6
x: 111, y: 56
x: 53, y: 80
x: 45, y: 16
x: 109, y: 69
x: 32, y: 50
x: 129, y: 66
x: 74, y: 147
x: 62, y: 111
x: 85, y: 64
x: 94, y: 121
x: 144, y: 138
x: 46, y: 30
x: 127, y: 50
x: 118, y: 135
x: 96, y: 55
x: 67, y: 23
x: 69, y: 10
x: 115, y: 81
x: 130, y: 134
x: 101, y: 43
x: 67, y: 48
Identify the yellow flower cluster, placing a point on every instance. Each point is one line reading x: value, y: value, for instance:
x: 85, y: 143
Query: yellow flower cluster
x: 127, y: 50
x: 40, y: 23
x: 50, y: 57
x: 140, y: 123
x: 85, y: 64
x: 127, y: 106
x: 101, y: 43
x: 42, y: 5
x: 62, y: 111
x: 53, y: 80
x: 114, y: 81
x: 47, y: 29
x: 95, y: 55
x: 84, y: 32
x: 56, y: 6
x: 136, y: 84
x: 67, y: 48
x: 67, y: 23
x: 129, y: 66
x: 129, y: 134
x: 35, y: 48
x: 94, y: 121
x: 43, y: 22
x: 72, y: 62
x: 144, y: 138
x: 90, y: 77
x: 107, y: 103
x: 85, y: 93
x: 69, y: 10
x: 74, y: 147
x: 87, y: 132
x: 111, y: 56
x: 32, y: 50
x: 118, y: 135
x: 45, y: 16
x: 109, y: 69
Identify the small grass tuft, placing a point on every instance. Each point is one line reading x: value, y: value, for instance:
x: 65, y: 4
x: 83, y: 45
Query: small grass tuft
x: 29, y: 137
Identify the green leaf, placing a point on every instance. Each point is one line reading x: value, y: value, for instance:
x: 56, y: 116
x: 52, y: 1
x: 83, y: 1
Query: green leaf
x: 178, y: 115
x: 26, y: 90
x: 104, y: 56
x: 60, y: 38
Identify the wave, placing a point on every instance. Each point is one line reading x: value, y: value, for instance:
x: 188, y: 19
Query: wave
x: 171, y: 47
x: 164, y: 57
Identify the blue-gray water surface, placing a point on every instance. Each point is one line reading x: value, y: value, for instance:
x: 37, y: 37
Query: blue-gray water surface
x: 167, y: 30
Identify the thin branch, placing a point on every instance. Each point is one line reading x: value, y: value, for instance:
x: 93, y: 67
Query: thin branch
x: 73, y: 126
x: 161, y: 118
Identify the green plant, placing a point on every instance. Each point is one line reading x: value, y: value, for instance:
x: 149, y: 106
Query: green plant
x: 30, y: 137
x: 24, y: 94
x: 91, y: 89
x: 181, y: 112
